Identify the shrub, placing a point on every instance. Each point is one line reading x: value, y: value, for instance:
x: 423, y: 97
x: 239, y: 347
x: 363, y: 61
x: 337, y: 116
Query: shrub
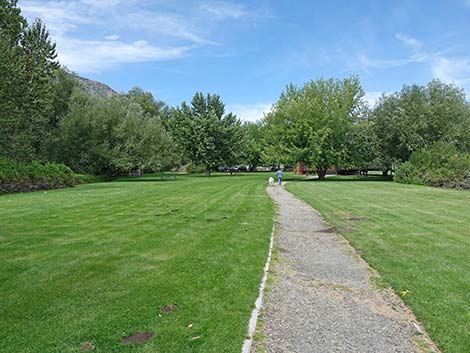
x: 195, y: 169
x: 406, y: 173
x: 86, y: 178
x: 438, y: 165
x: 23, y: 177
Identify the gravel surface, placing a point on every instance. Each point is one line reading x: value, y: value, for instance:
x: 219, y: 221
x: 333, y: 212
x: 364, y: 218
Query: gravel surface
x: 322, y: 298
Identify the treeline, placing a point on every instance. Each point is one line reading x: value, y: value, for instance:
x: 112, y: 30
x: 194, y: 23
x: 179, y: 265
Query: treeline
x: 422, y: 132
x: 47, y: 116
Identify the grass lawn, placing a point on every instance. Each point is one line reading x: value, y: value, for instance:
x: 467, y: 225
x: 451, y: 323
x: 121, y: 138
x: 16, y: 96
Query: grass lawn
x: 417, y: 237
x: 96, y: 263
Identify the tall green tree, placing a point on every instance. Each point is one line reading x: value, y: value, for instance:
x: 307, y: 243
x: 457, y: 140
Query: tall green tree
x: 252, y: 143
x: 417, y: 117
x: 207, y: 135
x: 150, y: 106
x: 313, y: 124
x: 112, y: 136
x: 362, y: 146
x: 28, y: 67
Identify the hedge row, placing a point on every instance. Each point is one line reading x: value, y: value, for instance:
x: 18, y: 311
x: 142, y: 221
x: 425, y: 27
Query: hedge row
x: 25, y: 177
x: 438, y: 165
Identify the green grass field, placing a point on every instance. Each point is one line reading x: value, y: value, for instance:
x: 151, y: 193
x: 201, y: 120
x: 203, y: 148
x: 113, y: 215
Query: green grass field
x: 417, y: 237
x: 96, y: 263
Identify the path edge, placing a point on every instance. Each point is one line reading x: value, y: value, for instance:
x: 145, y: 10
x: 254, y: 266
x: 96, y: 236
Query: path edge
x: 247, y: 344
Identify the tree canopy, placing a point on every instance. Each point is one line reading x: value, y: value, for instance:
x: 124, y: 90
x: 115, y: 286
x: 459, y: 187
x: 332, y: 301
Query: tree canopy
x: 416, y: 117
x: 207, y: 135
x: 28, y: 67
x: 313, y: 123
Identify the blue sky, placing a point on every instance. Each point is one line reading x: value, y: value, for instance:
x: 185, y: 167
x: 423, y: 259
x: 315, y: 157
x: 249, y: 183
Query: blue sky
x: 247, y: 51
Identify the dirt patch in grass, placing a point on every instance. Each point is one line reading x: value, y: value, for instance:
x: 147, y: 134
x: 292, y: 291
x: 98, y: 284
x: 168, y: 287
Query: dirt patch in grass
x: 138, y: 337
x: 87, y: 346
x: 169, y: 308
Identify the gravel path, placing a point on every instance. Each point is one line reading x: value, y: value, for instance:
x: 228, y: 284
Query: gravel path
x: 322, y: 298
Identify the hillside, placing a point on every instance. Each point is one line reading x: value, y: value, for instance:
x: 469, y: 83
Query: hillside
x: 95, y: 87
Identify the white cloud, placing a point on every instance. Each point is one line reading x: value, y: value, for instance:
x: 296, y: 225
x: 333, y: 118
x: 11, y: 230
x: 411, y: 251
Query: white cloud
x: 409, y: 41
x: 221, y: 10
x: 103, y: 4
x: 249, y: 112
x: 60, y: 17
x: 418, y: 56
x: 169, y: 25
x: 444, y: 67
x: 112, y: 37
x: 452, y: 70
x: 365, y: 62
x: 169, y: 33
x: 93, y: 56
x: 372, y: 97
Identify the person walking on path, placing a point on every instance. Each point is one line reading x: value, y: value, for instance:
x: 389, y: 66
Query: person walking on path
x: 279, y: 176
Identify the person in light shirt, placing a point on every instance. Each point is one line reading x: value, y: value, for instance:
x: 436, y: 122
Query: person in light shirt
x: 279, y: 176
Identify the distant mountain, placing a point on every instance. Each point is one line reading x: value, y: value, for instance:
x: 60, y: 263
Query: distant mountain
x: 95, y: 87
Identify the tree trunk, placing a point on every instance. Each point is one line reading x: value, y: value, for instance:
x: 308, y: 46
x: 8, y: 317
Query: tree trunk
x: 321, y: 173
x: 208, y: 172
x: 385, y: 172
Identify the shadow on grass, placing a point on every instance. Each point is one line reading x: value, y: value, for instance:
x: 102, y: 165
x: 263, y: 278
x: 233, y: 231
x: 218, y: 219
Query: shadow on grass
x: 149, y: 180
x: 144, y: 180
x: 177, y: 177
x: 349, y: 178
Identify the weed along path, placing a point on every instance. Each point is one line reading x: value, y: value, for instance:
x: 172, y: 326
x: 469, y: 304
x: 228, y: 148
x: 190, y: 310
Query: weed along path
x: 323, y: 297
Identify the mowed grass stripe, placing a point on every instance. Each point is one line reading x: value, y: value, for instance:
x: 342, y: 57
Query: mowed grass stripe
x: 96, y: 262
x: 417, y: 237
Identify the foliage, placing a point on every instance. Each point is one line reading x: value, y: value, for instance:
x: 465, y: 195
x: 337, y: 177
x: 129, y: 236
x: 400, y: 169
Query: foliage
x: 112, y: 136
x: 86, y: 178
x: 27, y: 67
x: 407, y: 173
x: 362, y: 146
x: 312, y: 124
x: 438, y: 165
x: 252, y: 143
x: 64, y: 86
x: 149, y: 105
x: 195, y: 169
x: 17, y: 176
x: 207, y: 135
x: 417, y: 117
